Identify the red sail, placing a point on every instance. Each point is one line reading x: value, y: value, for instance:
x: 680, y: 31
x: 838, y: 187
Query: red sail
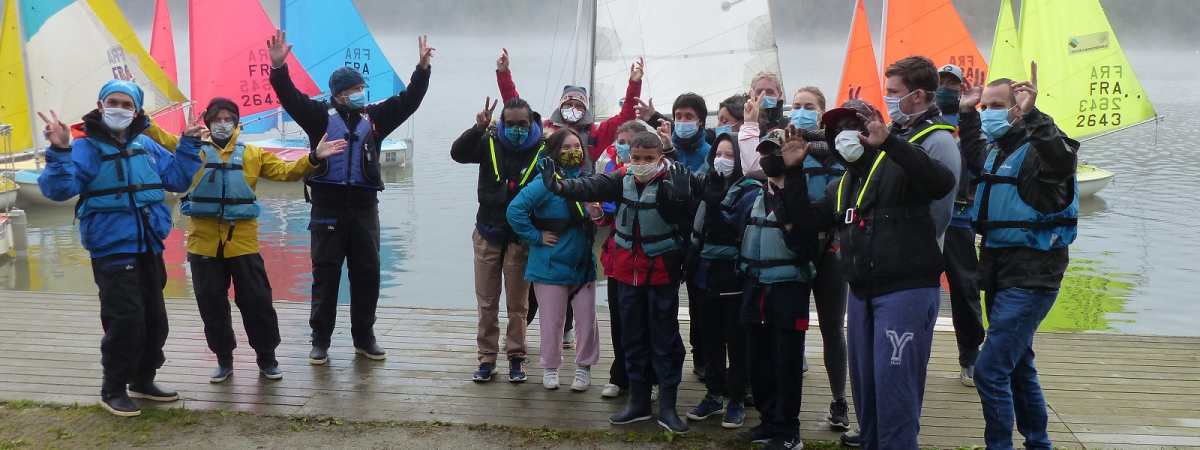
x: 932, y: 28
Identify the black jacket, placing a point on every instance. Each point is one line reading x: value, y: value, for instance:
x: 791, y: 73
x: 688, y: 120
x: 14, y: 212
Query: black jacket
x: 891, y: 244
x: 473, y: 147
x: 313, y: 118
x: 1045, y: 183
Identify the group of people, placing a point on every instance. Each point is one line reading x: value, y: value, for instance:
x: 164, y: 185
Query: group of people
x: 753, y: 215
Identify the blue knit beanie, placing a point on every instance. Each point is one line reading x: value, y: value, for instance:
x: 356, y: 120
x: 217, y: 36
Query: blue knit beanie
x: 127, y: 87
x: 344, y: 78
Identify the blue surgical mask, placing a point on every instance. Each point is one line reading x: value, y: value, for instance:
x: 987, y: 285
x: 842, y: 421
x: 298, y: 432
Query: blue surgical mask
x: 685, y: 130
x: 622, y: 151
x: 516, y: 135
x: 356, y: 100
x: 724, y: 129
x: 893, y: 105
x: 804, y: 119
x: 769, y: 102
x: 994, y: 122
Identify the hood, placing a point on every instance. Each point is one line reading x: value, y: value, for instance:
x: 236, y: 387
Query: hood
x: 584, y: 125
x: 737, y: 159
x: 93, y: 127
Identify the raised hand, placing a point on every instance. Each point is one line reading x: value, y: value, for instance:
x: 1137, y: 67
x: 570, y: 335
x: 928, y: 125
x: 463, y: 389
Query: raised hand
x: 279, y: 48
x: 549, y: 174
x: 853, y: 92
x: 1027, y: 90
x: 879, y: 131
x: 644, y: 111
x: 426, y: 51
x: 329, y: 148
x: 665, y: 128
x: 502, y: 61
x: 549, y: 239
x: 636, y: 70
x: 795, y: 148
x: 484, y: 118
x: 679, y: 179
x: 56, y: 131
x: 194, y: 127
x: 970, y: 97
x: 714, y: 188
x: 753, y: 108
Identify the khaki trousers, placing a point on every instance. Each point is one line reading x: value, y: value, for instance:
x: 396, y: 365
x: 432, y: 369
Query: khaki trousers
x: 491, y: 263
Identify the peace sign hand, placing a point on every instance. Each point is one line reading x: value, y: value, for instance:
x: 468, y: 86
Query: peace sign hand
x: 502, y: 61
x: 1027, y: 90
x: 753, y: 108
x: 854, y: 92
x: 484, y: 118
x: 636, y: 70
x: 279, y: 48
x: 56, y: 131
x: 195, y: 128
x: 878, y: 131
x: 427, y: 51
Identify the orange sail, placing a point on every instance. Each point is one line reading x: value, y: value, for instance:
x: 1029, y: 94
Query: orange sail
x: 860, y: 73
x: 228, y: 43
x: 931, y: 28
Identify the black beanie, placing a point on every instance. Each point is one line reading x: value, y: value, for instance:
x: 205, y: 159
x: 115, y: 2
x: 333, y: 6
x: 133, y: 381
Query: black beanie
x: 218, y: 104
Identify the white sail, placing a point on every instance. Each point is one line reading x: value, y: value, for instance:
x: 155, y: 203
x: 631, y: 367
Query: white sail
x: 710, y: 47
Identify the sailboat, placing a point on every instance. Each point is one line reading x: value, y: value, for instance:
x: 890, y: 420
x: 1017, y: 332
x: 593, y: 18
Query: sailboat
x: 63, y: 71
x: 860, y: 71
x: 907, y: 31
x: 162, y: 49
x: 1084, y: 79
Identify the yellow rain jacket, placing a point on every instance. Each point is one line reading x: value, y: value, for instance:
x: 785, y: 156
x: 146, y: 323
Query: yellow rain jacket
x: 207, y: 234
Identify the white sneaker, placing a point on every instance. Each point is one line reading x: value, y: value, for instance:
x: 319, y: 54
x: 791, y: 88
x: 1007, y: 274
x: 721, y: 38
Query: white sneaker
x: 654, y: 393
x: 583, y: 379
x: 610, y: 391
x: 550, y: 379
x: 569, y: 339
x: 967, y: 376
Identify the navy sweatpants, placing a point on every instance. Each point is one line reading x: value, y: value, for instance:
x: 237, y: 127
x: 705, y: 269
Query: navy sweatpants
x: 652, y: 310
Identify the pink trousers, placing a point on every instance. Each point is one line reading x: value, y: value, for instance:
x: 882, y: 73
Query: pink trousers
x: 552, y: 315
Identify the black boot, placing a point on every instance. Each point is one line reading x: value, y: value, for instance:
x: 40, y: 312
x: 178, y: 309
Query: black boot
x: 145, y: 387
x: 319, y: 355
x: 639, y: 405
x: 667, y: 416
x: 114, y: 398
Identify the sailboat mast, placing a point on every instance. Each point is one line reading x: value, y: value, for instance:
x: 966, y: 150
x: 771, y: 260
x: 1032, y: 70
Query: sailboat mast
x: 883, y: 40
x: 33, y: 140
x: 591, y: 61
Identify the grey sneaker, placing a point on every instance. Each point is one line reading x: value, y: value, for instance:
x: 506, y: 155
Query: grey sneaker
x: 967, y: 376
x: 569, y: 339
x: 851, y: 438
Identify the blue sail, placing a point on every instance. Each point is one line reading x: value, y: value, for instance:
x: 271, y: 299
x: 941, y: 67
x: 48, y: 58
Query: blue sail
x: 328, y: 34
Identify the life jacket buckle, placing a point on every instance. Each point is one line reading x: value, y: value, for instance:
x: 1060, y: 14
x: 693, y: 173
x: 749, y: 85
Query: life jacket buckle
x: 851, y: 216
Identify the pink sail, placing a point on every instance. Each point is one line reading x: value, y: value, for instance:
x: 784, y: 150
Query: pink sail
x: 162, y: 49
x: 228, y: 43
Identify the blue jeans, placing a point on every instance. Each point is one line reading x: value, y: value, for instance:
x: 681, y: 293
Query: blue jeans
x: 889, y: 339
x: 1004, y: 372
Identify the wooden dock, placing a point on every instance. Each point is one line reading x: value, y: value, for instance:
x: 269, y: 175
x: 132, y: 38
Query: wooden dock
x: 1104, y: 390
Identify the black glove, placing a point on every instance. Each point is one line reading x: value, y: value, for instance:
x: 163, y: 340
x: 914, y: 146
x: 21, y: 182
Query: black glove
x: 714, y: 189
x: 679, y: 180
x: 782, y: 215
x: 549, y: 172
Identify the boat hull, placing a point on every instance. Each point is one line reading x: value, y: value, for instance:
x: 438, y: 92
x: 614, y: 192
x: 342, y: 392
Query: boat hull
x: 1091, y: 180
x: 30, y: 195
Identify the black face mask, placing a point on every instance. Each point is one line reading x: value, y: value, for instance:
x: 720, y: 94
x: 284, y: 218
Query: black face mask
x: 772, y: 165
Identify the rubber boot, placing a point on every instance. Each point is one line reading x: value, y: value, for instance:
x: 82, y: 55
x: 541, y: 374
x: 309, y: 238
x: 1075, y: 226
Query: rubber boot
x: 116, y: 400
x: 667, y: 416
x: 145, y: 387
x: 638, y: 408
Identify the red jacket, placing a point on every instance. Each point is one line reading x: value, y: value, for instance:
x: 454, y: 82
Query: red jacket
x: 603, y: 133
x: 633, y: 267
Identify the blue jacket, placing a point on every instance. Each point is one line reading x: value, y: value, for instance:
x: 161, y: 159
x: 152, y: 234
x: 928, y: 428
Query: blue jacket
x: 69, y: 171
x: 568, y: 262
x: 693, y: 154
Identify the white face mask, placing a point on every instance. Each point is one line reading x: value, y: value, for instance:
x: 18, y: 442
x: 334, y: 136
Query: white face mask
x: 644, y: 172
x: 118, y: 119
x: 572, y: 114
x: 723, y: 166
x: 848, y: 145
x: 222, y: 131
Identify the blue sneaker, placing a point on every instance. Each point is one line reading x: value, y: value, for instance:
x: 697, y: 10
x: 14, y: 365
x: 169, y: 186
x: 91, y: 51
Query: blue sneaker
x: 485, y: 372
x: 707, y: 407
x: 516, y: 370
x: 735, y: 414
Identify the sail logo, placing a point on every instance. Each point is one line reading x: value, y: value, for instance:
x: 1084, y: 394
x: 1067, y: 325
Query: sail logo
x: 1088, y: 43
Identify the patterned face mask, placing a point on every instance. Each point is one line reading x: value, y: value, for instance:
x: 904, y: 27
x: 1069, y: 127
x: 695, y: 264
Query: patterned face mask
x: 570, y: 159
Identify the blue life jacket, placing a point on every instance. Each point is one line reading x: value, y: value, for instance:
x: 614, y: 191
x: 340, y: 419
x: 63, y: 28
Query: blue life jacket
x: 1005, y: 220
x: 222, y: 190
x: 765, y: 256
x: 716, y: 249
x: 358, y: 166
x: 819, y: 176
x: 638, y: 220
x: 124, y: 181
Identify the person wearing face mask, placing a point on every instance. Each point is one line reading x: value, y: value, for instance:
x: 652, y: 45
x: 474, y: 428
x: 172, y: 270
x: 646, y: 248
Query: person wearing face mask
x: 345, y: 189
x: 959, y: 243
x: 223, y: 234
x: 573, y: 111
x: 910, y: 87
x: 561, y: 265
x: 889, y: 255
x: 778, y: 241
x: 767, y: 88
x: 655, y: 197
x: 1027, y: 204
x: 730, y: 115
x: 119, y: 175
x: 687, y: 143
x: 507, y: 153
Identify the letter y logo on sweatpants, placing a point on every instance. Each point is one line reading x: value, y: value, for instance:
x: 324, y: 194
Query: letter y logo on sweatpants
x: 898, y: 343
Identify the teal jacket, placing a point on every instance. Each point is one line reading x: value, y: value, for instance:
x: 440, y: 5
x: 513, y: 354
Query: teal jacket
x: 568, y: 262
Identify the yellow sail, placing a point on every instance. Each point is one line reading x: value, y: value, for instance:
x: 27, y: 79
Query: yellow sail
x: 110, y: 15
x: 1006, y: 61
x: 14, y: 102
x: 1084, y: 79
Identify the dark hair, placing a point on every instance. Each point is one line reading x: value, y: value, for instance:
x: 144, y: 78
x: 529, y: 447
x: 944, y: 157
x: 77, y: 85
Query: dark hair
x: 557, y: 138
x: 1007, y: 82
x: 737, y: 161
x: 816, y: 92
x: 736, y: 105
x: 516, y: 103
x: 634, y: 125
x: 646, y: 139
x: 691, y: 100
x: 916, y: 72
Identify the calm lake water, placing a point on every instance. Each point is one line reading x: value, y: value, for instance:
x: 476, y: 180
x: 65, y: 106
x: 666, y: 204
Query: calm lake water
x: 1130, y: 267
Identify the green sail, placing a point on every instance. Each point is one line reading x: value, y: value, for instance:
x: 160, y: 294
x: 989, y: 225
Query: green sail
x: 1006, y: 61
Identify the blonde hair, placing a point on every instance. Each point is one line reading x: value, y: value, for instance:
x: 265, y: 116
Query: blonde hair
x: 768, y: 75
x: 816, y: 92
